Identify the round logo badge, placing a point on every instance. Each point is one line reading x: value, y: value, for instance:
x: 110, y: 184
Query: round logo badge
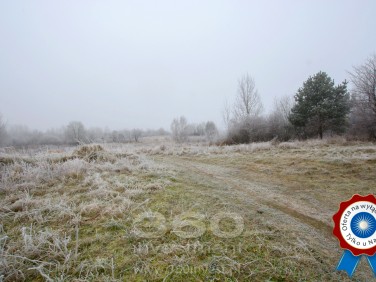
x: 355, y: 225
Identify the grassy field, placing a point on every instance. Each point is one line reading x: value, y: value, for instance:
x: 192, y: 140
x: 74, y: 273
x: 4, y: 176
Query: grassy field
x: 157, y: 211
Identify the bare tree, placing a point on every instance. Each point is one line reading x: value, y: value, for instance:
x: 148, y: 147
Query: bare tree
x: 3, y: 131
x: 199, y: 129
x: 363, y: 78
x: 279, y: 124
x: 226, y: 115
x: 95, y: 135
x: 248, y: 102
x: 136, y: 134
x: 243, y: 120
x: 115, y: 136
x: 283, y: 106
x: 211, y: 131
x: 179, y: 129
x: 75, y: 132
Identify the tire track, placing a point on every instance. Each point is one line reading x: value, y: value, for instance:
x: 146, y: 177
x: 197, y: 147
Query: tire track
x: 253, y: 190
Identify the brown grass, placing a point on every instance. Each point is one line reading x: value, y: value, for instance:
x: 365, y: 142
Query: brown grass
x: 69, y: 215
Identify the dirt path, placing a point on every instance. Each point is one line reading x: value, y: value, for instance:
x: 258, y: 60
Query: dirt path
x: 261, y: 196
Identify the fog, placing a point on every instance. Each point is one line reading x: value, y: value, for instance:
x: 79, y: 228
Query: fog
x: 127, y: 64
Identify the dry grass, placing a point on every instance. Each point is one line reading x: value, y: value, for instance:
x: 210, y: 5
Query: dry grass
x: 70, y: 214
x: 48, y: 198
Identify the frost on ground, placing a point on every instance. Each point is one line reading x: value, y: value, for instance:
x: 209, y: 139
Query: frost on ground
x: 70, y: 214
x: 48, y: 196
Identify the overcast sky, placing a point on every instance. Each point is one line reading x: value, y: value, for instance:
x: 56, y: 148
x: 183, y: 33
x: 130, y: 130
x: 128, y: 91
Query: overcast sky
x: 126, y: 64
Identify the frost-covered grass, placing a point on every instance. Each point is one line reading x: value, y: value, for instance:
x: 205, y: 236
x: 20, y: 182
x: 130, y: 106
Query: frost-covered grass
x: 70, y: 214
x: 47, y: 199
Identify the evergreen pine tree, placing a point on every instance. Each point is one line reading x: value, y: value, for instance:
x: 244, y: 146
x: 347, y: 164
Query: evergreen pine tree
x: 320, y: 106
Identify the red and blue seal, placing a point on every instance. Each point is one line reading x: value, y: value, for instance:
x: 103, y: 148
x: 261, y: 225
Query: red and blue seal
x: 355, y: 229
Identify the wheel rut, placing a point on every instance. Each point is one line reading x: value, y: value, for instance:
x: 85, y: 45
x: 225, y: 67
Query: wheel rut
x: 255, y: 191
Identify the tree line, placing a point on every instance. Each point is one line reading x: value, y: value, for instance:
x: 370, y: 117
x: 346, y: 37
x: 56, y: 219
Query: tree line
x: 181, y: 130
x: 73, y: 133
x: 319, y: 108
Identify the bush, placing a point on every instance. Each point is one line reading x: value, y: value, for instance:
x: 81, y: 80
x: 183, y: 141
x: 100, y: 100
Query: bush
x: 89, y: 152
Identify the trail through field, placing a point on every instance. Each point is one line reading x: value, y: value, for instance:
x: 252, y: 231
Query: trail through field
x: 301, y: 210
x: 304, y: 217
x: 276, y: 201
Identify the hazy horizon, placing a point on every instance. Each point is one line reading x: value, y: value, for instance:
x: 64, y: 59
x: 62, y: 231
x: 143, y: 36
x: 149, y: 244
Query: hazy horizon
x: 133, y: 64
